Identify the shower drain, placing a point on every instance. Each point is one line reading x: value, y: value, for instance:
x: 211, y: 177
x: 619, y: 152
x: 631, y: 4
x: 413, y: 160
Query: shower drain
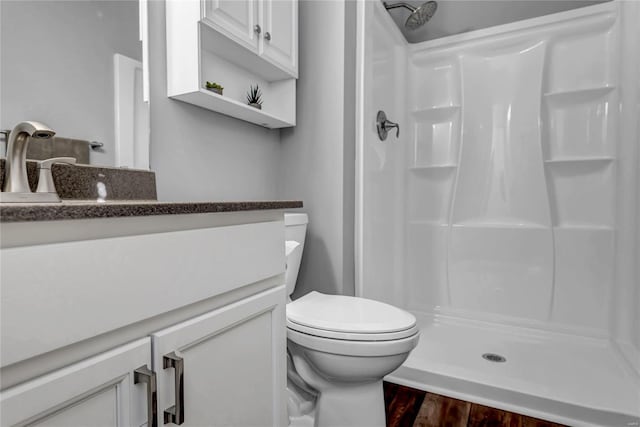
x: 492, y: 357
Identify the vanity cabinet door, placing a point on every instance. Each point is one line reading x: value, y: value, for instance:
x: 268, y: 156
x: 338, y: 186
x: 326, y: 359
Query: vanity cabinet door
x: 280, y: 33
x: 226, y: 367
x: 236, y: 19
x: 99, y: 391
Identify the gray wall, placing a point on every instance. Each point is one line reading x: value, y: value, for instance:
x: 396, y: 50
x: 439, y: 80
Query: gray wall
x: 317, y: 155
x: 460, y: 16
x: 349, y: 147
x: 56, y: 65
x: 199, y: 154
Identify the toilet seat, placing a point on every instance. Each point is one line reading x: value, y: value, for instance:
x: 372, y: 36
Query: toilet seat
x: 349, y: 318
x: 354, y: 348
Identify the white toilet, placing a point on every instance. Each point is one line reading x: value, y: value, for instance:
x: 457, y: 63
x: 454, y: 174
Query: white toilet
x: 339, y: 349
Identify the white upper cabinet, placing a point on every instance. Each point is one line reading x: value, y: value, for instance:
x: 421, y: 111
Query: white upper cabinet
x: 236, y: 19
x: 280, y: 33
x: 237, y: 44
x: 268, y: 28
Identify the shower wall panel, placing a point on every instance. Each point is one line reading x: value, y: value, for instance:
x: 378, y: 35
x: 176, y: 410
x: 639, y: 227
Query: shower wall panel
x: 382, y: 192
x: 511, y: 172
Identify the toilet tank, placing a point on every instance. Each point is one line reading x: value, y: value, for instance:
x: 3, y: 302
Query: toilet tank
x: 295, y: 229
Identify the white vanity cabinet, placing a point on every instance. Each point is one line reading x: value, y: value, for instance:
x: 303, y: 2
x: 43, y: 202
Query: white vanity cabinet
x: 229, y: 363
x: 99, y: 391
x: 183, y: 313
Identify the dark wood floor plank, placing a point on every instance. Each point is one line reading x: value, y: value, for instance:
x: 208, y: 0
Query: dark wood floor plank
x: 402, y: 405
x: 408, y: 407
x: 441, y: 411
x: 390, y: 390
x: 535, y: 422
x: 484, y: 416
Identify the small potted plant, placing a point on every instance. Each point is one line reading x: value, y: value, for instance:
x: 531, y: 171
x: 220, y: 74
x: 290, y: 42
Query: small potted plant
x: 214, y: 87
x: 254, y: 97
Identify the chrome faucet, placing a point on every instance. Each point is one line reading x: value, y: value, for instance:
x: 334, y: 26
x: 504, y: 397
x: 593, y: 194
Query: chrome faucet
x: 16, y: 184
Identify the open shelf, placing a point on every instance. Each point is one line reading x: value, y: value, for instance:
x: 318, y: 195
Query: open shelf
x: 213, y: 41
x: 230, y: 107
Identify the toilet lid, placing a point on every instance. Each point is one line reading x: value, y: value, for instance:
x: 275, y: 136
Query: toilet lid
x: 345, y: 317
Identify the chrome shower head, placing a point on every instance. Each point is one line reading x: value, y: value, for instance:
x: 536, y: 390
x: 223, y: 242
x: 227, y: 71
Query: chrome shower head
x: 419, y: 15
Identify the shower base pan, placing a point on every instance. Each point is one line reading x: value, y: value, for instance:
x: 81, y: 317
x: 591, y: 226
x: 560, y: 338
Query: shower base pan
x: 558, y: 377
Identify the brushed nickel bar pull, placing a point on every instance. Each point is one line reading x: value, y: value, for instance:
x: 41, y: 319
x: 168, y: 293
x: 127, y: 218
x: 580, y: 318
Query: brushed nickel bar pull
x: 147, y: 376
x: 175, y: 414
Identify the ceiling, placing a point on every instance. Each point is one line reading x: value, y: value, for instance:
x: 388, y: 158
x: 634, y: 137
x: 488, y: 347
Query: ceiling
x: 459, y: 16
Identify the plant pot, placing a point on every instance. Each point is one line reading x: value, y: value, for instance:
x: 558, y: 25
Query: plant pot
x: 212, y: 89
x: 254, y: 105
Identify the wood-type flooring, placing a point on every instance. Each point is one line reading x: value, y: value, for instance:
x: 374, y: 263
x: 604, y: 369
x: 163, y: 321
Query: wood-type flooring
x: 408, y: 407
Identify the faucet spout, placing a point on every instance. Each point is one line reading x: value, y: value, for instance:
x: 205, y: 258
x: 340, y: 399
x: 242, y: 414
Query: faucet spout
x: 15, y: 175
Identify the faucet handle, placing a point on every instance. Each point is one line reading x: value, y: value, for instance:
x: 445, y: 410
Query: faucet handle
x: 45, y: 179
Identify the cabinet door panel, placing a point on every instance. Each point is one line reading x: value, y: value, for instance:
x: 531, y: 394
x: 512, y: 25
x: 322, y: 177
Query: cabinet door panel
x: 280, y: 18
x: 235, y: 19
x: 98, y: 410
x: 98, y: 391
x: 234, y: 364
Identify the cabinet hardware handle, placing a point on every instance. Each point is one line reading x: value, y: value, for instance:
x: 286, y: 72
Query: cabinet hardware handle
x: 175, y: 414
x: 257, y: 29
x: 147, y: 376
x: 267, y: 36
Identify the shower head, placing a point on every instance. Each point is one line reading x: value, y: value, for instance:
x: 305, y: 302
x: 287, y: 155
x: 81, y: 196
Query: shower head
x: 419, y: 15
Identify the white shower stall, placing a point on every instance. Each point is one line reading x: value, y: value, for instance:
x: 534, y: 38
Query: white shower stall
x: 505, y: 215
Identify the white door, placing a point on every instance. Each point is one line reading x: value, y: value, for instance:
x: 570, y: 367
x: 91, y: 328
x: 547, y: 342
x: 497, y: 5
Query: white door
x: 99, y: 391
x: 226, y: 367
x: 131, y: 114
x: 280, y: 33
x: 236, y: 19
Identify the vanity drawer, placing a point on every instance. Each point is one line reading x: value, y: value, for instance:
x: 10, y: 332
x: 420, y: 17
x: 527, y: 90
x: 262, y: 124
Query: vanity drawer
x: 57, y: 294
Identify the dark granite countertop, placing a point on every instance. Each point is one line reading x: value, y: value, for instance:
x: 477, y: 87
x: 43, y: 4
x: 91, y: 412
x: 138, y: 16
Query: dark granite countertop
x: 21, y: 212
x: 87, y: 182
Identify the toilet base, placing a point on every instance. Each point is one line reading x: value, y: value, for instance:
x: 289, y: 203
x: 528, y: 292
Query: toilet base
x: 302, y: 421
x: 358, y: 405
x: 347, y: 388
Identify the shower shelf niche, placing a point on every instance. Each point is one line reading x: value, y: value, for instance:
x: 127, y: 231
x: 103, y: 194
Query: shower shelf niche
x: 503, y: 223
x: 579, y: 95
x: 435, y: 137
x: 428, y: 222
x: 421, y: 168
x: 560, y: 160
x: 582, y: 227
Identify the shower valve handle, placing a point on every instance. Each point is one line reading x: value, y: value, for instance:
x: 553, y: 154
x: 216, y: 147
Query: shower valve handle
x: 388, y: 125
x: 383, y: 125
